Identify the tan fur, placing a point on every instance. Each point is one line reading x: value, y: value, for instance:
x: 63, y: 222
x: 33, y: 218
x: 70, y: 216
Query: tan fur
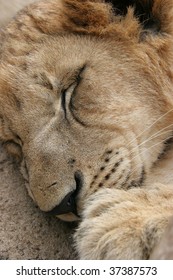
x: 117, y: 118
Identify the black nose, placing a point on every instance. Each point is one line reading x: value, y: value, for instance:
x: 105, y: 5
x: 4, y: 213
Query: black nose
x: 67, y: 205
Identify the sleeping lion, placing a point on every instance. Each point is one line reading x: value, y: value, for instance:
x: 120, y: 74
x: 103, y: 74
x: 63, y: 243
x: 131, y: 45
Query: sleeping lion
x: 86, y: 94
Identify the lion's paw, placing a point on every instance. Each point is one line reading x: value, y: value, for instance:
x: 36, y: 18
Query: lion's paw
x: 120, y: 224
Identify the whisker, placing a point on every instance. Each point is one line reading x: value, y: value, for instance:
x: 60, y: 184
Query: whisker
x: 150, y: 126
x: 155, y: 135
x: 149, y: 147
x: 132, y: 172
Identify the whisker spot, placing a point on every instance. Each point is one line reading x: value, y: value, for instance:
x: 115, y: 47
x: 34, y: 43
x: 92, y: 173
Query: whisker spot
x: 109, y: 152
x: 107, y: 177
x: 102, y: 168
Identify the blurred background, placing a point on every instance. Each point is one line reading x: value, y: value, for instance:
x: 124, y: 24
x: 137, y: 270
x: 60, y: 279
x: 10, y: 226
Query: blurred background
x: 8, y: 8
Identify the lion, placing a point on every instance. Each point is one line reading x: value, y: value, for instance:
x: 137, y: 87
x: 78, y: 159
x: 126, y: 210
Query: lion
x: 87, y: 111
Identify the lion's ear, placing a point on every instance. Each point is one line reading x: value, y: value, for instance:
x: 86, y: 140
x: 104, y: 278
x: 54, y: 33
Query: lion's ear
x: 154, y: 15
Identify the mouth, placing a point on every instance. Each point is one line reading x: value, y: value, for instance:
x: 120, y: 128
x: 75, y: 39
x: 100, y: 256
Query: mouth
x: 68, y: 205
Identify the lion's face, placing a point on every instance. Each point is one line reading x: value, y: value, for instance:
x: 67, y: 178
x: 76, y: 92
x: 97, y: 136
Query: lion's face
x: 84, y: 114
x: 82, y: 117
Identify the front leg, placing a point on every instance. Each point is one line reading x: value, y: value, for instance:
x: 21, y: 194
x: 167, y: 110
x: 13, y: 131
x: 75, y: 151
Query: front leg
x: 120, y: 224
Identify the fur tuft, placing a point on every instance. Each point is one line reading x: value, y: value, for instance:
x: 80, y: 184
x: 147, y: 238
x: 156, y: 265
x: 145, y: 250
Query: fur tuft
x: 96, y: 16
x: 142, y: 10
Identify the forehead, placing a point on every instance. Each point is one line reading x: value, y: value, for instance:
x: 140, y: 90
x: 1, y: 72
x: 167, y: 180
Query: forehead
x: 112, y: 69
x: 66, y: 52
x: 56, y: 62
x: 111, y: 66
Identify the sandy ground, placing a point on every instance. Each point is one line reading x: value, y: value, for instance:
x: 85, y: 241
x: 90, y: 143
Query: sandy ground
x: 26, y: 232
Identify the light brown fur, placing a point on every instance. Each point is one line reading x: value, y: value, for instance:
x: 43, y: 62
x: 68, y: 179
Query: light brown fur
x: 117, y: 118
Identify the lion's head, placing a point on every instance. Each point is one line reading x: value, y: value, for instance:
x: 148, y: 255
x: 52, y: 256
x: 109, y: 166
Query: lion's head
x: 86, y: 96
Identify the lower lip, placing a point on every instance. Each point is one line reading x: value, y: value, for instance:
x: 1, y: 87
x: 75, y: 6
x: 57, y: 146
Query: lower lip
x: 69, y: 217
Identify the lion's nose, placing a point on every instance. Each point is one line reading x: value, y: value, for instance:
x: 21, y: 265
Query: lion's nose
x: 67, y: 205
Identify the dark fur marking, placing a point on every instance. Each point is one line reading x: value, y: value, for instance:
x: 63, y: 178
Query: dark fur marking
x: 139, y: 182
x: 118, y: 163
x: 102, y: 168
x: 142, y: 176
x: 107, y: 176
x: 126, y: 179
x: 167, y: 146
x: 109, y: 152
x: 143, y: 10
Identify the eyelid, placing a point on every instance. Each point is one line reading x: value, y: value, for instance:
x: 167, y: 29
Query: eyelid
x: 66, y: 96
x: 67, y: 93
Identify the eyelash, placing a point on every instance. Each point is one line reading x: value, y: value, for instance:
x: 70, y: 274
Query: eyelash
x: 63, y: 102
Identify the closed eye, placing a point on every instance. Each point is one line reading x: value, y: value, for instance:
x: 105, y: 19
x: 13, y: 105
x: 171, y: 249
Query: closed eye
x: 66, y: 97
x: 66, y: 94
x: 63, y: 102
